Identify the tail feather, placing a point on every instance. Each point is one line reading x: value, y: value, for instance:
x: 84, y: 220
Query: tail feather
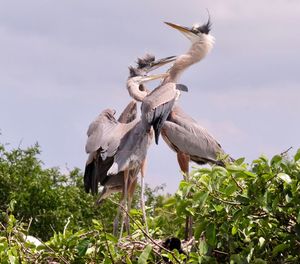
x: 90, y: 178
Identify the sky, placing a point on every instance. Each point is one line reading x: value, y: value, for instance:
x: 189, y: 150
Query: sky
x: 63, y: 62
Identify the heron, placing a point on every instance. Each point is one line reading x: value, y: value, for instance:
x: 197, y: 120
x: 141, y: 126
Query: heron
x: 183, y: 134
x: 117, y: 151
x: 186, y: 130
x: 157, y: 105
x: 132, y: 149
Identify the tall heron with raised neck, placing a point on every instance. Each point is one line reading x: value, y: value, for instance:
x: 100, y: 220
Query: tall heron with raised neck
x: 157, y: 105
x: 184, y: 135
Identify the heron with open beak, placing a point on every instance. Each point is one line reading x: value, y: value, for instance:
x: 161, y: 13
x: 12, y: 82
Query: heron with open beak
x: 117, y: 149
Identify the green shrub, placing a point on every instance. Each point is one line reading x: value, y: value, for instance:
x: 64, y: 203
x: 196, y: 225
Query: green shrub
x: 242, y: 214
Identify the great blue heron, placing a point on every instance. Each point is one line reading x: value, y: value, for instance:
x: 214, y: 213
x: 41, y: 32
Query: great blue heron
x: 96, y: 168
x: 184, y: 135
x: 117, y: 151
x: 157, y: 105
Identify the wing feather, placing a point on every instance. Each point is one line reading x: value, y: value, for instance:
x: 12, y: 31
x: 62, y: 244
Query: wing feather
x: 194, y: 143
x: 99, y: 130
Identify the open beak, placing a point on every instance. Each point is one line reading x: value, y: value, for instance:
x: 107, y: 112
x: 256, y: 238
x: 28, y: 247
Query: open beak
x: 154, y: 77
x: 184, y: 30
x: 158, y: 63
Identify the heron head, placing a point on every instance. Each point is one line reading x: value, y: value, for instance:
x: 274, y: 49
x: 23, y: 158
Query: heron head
x: 134, y: 72
x: 148, y: 62
x: 145, y: 61
x: 196, y: 32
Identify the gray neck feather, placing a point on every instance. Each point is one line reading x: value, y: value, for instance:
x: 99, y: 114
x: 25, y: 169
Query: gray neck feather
x: 197, y: 52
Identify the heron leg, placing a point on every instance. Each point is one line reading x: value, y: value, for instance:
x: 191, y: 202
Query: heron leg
x: 122, y: 208
x: 116, y: 222
x: 126, y: 177
x: 124, y: 204
x: 131, y: 187
x: 143, y: 170
x: 183, y: 160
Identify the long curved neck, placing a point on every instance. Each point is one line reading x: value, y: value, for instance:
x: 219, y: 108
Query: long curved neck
x: 197, y: 52
x: 133, y: 88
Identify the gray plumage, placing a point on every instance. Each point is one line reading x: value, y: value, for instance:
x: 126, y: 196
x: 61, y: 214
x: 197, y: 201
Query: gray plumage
x: 184, y: 134
x: 132, y: 149
x: 157, y: 105
x: 99, y: 161
x: 166, y: 94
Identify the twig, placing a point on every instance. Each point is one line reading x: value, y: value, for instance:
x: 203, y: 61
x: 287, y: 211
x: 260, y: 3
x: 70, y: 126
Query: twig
x: 236, y: 183
x: 285, y: 152
x: 88, y: 233
x: 29, y: 224
x: 145, y: 233
x: 66, y: 226
x: 223, y: 201
x: 220, y: 252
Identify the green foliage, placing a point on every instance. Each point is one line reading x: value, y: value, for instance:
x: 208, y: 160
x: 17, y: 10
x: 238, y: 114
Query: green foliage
x: 242, y: 214
x: 45, y: 195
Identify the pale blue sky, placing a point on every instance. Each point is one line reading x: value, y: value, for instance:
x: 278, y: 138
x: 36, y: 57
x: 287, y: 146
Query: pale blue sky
x: 62, y: 62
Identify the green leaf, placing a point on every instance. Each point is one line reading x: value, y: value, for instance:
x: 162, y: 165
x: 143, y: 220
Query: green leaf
x: 211, y: 234
x: 243, y: 199
x: 82, y: 247
x: 297, y: 155
x: 259, y: 261
x: 96, y: 222
x: 203, y: 247
x: 235, y: 168
x: 199, y: 228
x: 190, y: 210
x: 249, y: 173
x: 170, y: 202
x: 276, y: 159
x: 183, y: 184
x: 230, y: 189
x: 219, y: 170
x: 200, y: 198
x: 111, y: 238
x: 279, y: 248
x: 239, y: 161
x: 234, y: 230
x: 145, y: 255
x: 128, y: 261
x: 218, y: 207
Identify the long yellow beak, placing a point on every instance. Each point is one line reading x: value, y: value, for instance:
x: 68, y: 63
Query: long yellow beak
x: 178, y: 27
x: 158, y: 63
x: 154, y: 77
